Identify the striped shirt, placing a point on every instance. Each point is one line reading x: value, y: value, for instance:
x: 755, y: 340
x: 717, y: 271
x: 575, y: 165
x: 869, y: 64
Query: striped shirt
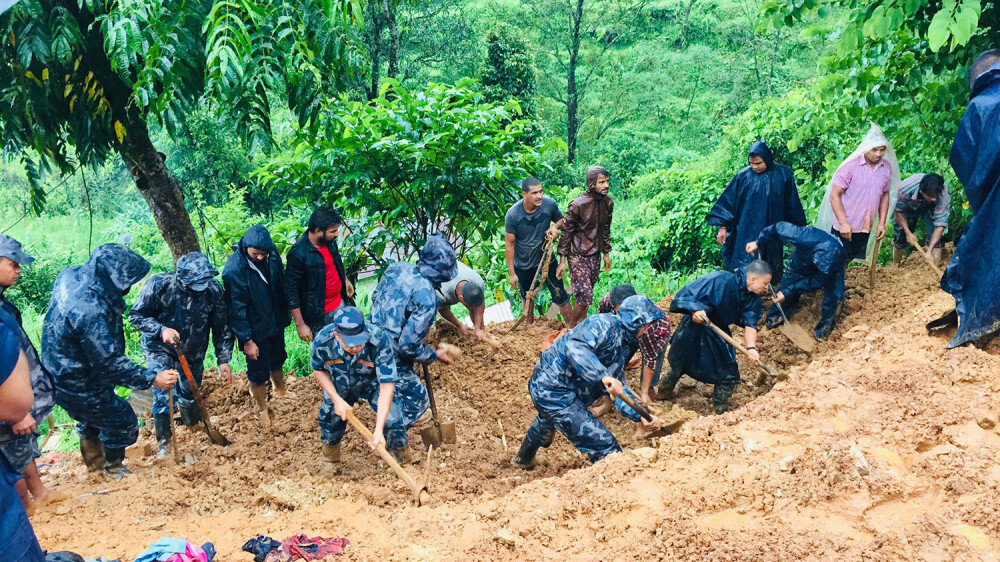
x: 863, y: 189
x: 909, y: 201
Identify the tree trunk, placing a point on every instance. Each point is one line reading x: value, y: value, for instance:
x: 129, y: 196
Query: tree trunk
x: 572, y: 96
x: 373, y: 37
x: 687, y: 21
x: 389, y: 18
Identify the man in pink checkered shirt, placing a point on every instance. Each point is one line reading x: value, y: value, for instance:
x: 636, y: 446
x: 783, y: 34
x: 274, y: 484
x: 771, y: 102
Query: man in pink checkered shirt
x: 860, y: 190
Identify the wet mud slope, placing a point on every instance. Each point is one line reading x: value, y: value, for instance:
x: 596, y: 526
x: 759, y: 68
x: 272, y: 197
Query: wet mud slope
x: 880, y: 445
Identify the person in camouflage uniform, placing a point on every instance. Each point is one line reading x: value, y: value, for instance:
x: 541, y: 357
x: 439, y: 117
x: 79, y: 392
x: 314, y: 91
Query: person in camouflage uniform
x: 353, y: 361
x: 188, y: 303
x: 83, y: 346
x: 724, y: 298
x: 19, y: 441
x: 404, y: 305
x: 580, y: 367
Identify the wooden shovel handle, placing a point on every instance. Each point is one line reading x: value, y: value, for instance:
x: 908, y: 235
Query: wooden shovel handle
x: 639, y: 408
x: 930, y: 263
x: 729, y: 339
x: 173, y: 432
x: 417, y: 489
x: 182, y: 359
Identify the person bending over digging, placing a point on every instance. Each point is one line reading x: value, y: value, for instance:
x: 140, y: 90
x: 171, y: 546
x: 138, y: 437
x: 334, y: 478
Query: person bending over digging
x: 580, y: 367
x: 83, y: 346
x: 586, y: 235
x: 258, y: 313
x: 468, y: 288
x: 724, y: 298
x: 404, y: 305
x: 188, y: 303
x: 352, y: 361
x: 610, y: 302
x: 817, y: 263
x: 926, y: 197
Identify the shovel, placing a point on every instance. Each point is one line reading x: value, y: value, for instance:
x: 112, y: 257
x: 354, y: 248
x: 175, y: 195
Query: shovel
x: 173, y: 432
x: 729, y: 339
x: 930, y: 263
x: 874, y: 262
x: 438, y: 432
x: 793, y: 331
x: 541, y: 275
x: 420, y: 493
x: 213, y: 433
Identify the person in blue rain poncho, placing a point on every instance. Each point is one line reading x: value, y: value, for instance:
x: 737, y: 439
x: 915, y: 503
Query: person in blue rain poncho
x: 817, y: 262
x: 758, y: 196
x: 972, y: 276
x: 83, y: 346
x: 404, y: 305
x: 190, y: 304
x: 724, y: 298
x: 583, y: 365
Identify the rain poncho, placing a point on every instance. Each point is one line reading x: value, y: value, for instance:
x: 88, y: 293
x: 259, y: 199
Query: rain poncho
x: 972, y: 276
x: 255, y: 292
x: 752, y: 201
x: 567, y: 378
x: 816, y: 263
x: 83, y: 344
x: 41, y: 380
x: 696, y: 350
x: 191, y: 301
x: 875, y: 138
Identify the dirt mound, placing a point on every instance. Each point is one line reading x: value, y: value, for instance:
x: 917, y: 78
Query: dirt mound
x: 880, y: 444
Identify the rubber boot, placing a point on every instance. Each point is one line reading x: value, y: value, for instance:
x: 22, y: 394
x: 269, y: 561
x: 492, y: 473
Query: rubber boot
x: 278, y: 379
x: 525, y: 457
x: 721, y: 395
x: 897, y: 255
x: 665, y: 388
x: 773, y: 319
x: 190, y: 413
x: 114, y: 463
x: 331, y: 459
x: 825, y: 327
x: 93, y: 456
x: 259, y: 392
x: 402, y: 455
x: 161, y: 422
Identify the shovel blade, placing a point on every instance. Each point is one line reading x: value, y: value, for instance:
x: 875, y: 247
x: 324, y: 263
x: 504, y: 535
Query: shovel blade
x: 448, y: 433
x: 431, y: 436
x: 798, y: 335
x: 215, y: 436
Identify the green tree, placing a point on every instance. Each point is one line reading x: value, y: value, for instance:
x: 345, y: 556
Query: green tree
x: 83, y: 79
x: 509, y: 73
x: 408, y: 164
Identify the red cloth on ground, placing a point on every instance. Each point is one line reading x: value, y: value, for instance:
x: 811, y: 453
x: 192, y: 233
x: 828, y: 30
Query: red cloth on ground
x: 301, y: 547
x: 333, y: 283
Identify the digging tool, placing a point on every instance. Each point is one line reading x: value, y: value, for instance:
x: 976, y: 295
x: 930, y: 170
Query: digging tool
x: 729, y: 339
x: 52, y: 429
x: 439, y: 432
x: 930, y: 263
x: 946, y: 320
x: 213, y: 433
x: 420, y: 493
x: 793, y: 331
x: 874, y: 262
x: 173, y: 431
x: 639, y: 408
x: 541, y: 275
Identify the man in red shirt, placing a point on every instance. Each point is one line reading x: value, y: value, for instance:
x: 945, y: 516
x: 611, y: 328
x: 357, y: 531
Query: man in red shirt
x: 316, y: 284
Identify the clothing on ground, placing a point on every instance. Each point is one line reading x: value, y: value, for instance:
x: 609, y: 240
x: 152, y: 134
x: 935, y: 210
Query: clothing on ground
x: 177, y: 550
x: 586, y: 226
x: 972, y: 276
x: 529, y: 231
x: 255, y: 292
x: 446, y: 292
x: 191, y: 301
x: 696, y: 350
x: 752, y: 201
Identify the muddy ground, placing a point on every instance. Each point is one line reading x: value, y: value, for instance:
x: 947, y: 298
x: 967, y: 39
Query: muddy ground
x: 881, y: 445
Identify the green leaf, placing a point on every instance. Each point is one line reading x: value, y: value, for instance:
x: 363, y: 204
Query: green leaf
x: 937, y: 32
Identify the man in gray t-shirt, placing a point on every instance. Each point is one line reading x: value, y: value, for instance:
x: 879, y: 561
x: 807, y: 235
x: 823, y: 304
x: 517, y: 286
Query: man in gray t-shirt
x: 468, y: 288
x: 525, y: 226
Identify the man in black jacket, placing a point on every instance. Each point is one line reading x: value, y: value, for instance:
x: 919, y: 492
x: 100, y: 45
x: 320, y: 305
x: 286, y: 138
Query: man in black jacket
x: 258, y: 313
x: 315, y: 282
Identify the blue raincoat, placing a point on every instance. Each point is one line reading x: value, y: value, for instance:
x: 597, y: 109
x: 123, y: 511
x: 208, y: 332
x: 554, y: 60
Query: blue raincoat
x: 817, y: 263
x: 191, y: 301
x: 83, y: 344
x: 696, y: 350
x: 567, y: 378
x: 256, y: 292
x: 972, y: 276
x: 752, y: 201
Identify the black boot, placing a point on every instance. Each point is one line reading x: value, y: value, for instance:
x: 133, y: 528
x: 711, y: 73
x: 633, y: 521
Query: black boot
x: 525, y: 457
x: 161, y: 422
x: 825, y: 327
x: 90, y: 449
x: 190, y: 413
x: 665, y: 388
x: 114, y: 463
x: 774, y: 318
x: 720, y: 396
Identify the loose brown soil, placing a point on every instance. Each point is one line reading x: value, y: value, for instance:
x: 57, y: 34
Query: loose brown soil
x: 881, y: 445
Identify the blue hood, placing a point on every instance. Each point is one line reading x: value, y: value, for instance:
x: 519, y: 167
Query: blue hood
x: 759, y: 148
x: 117, y: 266
x: 985, y: 80
x: 257, y: 237
x: 194, y: 271
x: 437, y: 260
x: 637, y: 311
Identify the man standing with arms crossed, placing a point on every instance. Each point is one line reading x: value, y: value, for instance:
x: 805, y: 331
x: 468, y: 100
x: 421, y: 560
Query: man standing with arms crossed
x: 526, y: 226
